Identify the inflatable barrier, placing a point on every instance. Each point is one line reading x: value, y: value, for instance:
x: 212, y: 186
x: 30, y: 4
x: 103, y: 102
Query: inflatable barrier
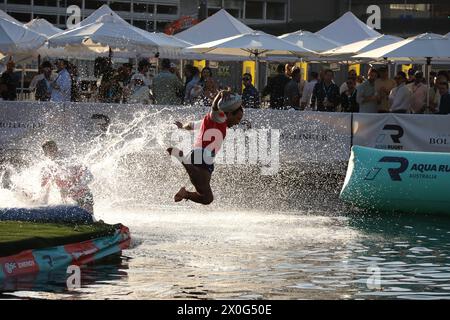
x: 50, y: 259
x: 55, y: 214
x: 404, y: 181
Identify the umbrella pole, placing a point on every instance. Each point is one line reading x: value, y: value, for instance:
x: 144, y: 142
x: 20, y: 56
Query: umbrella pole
x: 256, y: 71
x: 427, y: 72
x: 22, y: 80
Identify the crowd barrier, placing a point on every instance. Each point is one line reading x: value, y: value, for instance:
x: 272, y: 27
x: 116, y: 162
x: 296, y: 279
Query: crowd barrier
x: 315, y: 137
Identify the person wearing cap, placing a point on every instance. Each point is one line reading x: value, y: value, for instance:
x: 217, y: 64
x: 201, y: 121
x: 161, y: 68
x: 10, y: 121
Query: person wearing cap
x: 400, y: 96
x: 383, y: 86
x: 418, y: 93
x: 167, y: 86
x: 226, y: 112
x: 62, y: 85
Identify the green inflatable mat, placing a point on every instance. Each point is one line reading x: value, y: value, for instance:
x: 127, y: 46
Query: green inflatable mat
x: 17, y: 236
x: 403, y: 181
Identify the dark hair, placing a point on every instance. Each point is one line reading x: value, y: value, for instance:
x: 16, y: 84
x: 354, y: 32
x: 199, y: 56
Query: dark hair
x: 46, y: 64
x: 373, y: 70
x: 280, y: 68
x: 127, y: 65
x: 207, y: 69
x: 165, y: 63
x: 314, y: 74
x: 444, y: 84
x: 443, y: 73
x: 328, y: 71
x: 142, y: 64
x: 247, y: 75
x: 295, y: 72
x: 235, y: 112
x: 49, y: 144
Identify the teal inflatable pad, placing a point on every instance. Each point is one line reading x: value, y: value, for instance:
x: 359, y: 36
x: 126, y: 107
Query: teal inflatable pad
x: 403, y: 181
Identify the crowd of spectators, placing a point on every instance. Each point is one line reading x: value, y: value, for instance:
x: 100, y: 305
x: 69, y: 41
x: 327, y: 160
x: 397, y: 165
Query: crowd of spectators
x: 377, y: 93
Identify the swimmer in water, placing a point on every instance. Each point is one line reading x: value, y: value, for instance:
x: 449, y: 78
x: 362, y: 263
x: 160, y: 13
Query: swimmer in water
x: 71, y: 180
x: 226, y: 112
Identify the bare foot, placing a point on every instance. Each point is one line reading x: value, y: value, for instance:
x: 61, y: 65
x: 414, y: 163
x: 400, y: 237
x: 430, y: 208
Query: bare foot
x: 175, y: 152
x: 181, y: 194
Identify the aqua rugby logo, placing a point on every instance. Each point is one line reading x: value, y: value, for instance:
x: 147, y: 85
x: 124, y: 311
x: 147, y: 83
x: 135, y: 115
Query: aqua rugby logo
x: 416, y: 171
x: 396, y: 132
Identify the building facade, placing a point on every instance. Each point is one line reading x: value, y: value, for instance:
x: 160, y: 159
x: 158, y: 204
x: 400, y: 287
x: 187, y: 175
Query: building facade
x: 150, y: 15
x: 400, y: 17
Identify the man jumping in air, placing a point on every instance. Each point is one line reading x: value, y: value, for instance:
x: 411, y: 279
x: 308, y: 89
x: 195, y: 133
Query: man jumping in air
x: 226, y: 111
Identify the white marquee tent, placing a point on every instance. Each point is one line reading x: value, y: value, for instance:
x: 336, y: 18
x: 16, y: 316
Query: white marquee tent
x: 348, y: 29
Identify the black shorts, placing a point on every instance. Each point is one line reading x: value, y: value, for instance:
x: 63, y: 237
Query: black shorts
x: 201, y: 158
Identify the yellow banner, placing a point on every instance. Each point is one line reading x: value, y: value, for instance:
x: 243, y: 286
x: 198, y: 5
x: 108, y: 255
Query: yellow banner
x: 200, y: 64
x: 406, y: 67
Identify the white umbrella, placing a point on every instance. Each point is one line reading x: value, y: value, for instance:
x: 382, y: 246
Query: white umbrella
x: 347, y: 29
x: 309, y: 40
x: 109, y: 33
x: 255, y: 45
x: 93, y: 17
x: 6, y: 16
x: 413, y: 49
x: 15, y: 38
x: 43, y: 27
x: 424, y: 48
x: 363, y: 45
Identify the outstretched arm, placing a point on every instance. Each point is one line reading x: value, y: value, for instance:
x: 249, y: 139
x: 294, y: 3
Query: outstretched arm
x: 187, y: 126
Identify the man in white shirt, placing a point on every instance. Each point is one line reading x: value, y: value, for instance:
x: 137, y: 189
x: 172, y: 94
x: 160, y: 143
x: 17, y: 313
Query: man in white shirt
x: 308, y: 90
x: 62, y: 85
x: 400, y: 96
x: 419, y: 93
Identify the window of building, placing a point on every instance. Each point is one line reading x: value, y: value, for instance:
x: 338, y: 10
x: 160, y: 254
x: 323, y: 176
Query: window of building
x: 91, y: 4
x: 46, y: 3
x: 25, y: 2
x: 275, y: 11
x: 22, y: 17
x: 72, y: 3
x: 165, y: 9
x: 410, y: 7
x: 143, y: 24
x: 120, y: 6
x: 254, y: 10
x: 50, y: 18
x: 234, y: 12
x: 143, y: 7
x: 62, y: 20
